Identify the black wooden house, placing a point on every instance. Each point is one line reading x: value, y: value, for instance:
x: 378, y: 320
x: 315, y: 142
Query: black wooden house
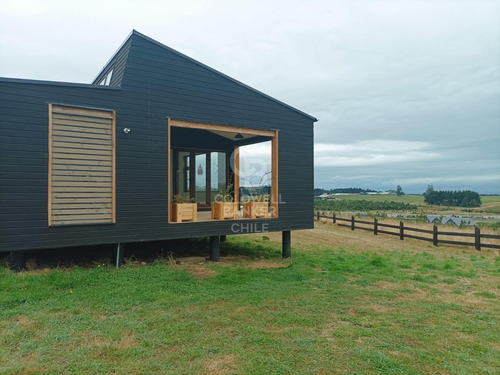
x: 100, y: 163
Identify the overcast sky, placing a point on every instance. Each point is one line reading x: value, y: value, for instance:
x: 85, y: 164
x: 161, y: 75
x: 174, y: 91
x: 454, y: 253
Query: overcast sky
x: 407, y: 92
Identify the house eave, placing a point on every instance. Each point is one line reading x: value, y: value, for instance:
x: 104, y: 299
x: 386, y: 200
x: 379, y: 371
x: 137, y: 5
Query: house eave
x: 57, y: 83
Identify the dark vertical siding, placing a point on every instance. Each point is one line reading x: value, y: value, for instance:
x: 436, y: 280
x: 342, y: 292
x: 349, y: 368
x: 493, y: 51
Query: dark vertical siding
x: 155, y: 84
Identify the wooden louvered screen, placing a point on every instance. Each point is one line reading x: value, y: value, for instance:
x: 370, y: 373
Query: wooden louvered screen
x: 81, y: 166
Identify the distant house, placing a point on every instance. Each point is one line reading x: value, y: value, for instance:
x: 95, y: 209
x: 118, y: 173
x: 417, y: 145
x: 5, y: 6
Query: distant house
x: 432, y: 219
x: 457, y: 221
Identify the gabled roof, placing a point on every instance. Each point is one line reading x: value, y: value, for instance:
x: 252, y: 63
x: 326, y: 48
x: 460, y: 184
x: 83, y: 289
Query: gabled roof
x: 452, y: 220
x: 432, y: 218
x: 122, y: 54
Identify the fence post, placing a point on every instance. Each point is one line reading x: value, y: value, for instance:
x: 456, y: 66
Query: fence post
x: 477, y: 237
x: 317, y: 215
x: 401, y: 231
x: 435, y: 235
x: 352, y: 222
x: 375, y: 226
x: 334, y: 218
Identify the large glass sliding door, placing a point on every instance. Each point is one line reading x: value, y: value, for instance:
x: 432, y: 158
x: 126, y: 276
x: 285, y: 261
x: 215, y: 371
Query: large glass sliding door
x: 218, y: 174
x: 201, y: 179
x: 200, y: 175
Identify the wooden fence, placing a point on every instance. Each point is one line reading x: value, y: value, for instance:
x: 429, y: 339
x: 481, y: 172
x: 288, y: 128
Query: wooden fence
x: 415, y: 233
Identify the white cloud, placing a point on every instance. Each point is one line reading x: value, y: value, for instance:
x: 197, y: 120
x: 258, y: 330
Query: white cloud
x: 372, y: 152
x: 453, y: 179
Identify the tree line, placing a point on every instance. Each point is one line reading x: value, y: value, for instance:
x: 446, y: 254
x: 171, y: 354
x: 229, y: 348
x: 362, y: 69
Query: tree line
x: 361, y: 205
x: 465, y: 198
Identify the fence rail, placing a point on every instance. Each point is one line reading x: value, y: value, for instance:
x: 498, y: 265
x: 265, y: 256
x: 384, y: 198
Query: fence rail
x: 403, y: 232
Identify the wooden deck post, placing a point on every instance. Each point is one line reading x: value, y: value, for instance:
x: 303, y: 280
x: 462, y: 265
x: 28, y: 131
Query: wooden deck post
x: 17, y: 261
x: 214, y: 248
x: 477, y: 238
x: 286, y: 243
x: 401, y: 231
x: 375, y: 226
x: 435, y: 235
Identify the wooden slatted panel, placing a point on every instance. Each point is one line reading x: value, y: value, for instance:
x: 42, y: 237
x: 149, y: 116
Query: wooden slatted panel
x: 82, y: 166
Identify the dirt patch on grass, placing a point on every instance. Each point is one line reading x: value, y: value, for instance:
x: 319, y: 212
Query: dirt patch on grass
x: 194, y: 265
x: 126, y: 341
x: 189, y: 260
x: 381, y: 284
x: 93, y: 340
x: 220, y: 364
x: 200, y: 272
x: 234, y: 259
x: 197, y: 266
x: 32, y: 357
x: 24, y: 321
x: 245, y: 261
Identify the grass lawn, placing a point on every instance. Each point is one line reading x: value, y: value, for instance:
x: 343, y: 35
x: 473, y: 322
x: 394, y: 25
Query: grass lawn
x: 346, y: 303
x: 490, y: 199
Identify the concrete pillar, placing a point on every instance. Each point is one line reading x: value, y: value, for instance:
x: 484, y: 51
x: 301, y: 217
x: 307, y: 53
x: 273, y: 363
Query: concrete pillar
x: 214, y: 248
x: 286, y: 243
x: 17, y: 261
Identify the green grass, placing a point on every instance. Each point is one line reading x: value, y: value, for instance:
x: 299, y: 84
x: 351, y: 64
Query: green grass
x: 350, y: 311
x: 490, y: 199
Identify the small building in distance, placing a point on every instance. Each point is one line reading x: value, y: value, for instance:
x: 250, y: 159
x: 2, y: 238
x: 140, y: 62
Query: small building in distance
x: 458, y: 221
x: 432, y: 219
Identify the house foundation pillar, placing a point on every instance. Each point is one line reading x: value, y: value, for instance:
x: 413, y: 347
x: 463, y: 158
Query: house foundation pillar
x: 286, y: 243
x: 214, y: 248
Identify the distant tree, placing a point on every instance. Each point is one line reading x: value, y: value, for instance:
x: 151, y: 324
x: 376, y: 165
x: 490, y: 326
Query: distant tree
x: 465, y: 198
x: 399, y: 191
x: 430, y: 189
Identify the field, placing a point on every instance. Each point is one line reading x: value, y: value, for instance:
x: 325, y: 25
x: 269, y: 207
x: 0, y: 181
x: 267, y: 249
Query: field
x: 412, y: 199
x: 490, y: 204
x: 349, y: 303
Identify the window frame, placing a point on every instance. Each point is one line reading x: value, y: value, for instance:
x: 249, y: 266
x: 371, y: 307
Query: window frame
x: 273, y: 134
x: 87, y: 111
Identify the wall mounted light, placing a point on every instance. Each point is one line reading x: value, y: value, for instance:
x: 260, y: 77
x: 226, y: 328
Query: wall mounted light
x: 126, y: 130
x: 239, y: 136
